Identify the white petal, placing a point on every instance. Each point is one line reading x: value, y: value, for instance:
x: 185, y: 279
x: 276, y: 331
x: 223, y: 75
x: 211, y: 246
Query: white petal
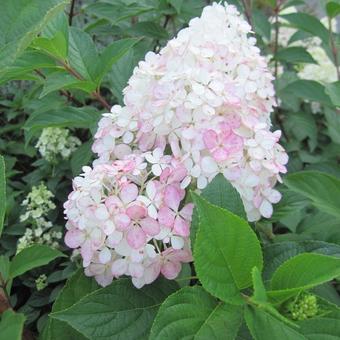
x: 177, y: 242
x: 105, y: 256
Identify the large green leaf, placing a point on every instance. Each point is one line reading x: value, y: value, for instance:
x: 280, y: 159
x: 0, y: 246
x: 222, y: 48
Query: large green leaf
x: 226, y: 251
x: 308, y: 23
x: 192, y: 313
x: 333, y: 90
x: 76, y: 288
x: 117, y: 12
x: 20, y: 22
x: 62, y: 80
x: 149, y: 29
x: 82, y: 54
x: 264, y: 326
x: 221, y: 193
x: 2, y: 193
x: 111, y: 55
x: 302, y: 272
x: 323, y: 189
x: 308, y: 89
x: 82, y: 156
x: 276, y: 254
x: 323, y: 328
x: 294, y: 54
x: 119, y: 311
x: 63, y: 117
x: 26, y: 64
x: 11, y: 325
x: 32, y: 257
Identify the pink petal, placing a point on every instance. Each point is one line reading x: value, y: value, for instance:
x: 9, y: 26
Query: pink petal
x: 186, y: 211
x: 210, y: 139
x: 122, y: 221
x: 166, y: 216
x: 181, y: 227
x: 172, y: 197
x: 150, y: 226
x: 87, y: 251
x: 129, y: 193
x: 171, y: 269
x: 136, y: 238
x: 136, y: 212
x: 74, y: 238
x: 220, y: 154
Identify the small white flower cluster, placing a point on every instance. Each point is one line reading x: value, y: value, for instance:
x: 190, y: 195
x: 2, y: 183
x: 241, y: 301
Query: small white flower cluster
x: 41, y: 282
x: 54, y: 142
x: 38, y: 204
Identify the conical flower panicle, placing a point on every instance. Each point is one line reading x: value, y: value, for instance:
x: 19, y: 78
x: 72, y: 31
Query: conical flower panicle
x: 206, y: 97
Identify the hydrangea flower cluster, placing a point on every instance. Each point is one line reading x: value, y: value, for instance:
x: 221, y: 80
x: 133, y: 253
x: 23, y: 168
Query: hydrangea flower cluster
x: 126, y: 223
x: 54, y: 142
x: 38, y: 204
x: 198, y: 108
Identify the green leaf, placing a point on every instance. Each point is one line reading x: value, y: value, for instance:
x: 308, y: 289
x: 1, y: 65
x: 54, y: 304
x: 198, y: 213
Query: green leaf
x: 4, y: 267
x: 56, y: 46
x: 333, y: 9
x: 117, y: 311
x: 260, y: 294
x: 120, y: 73
x: 308, y: 23
x: 2, y: 193
x: 11, y: 325
x: 221, y: 193
x: 82, y: 156
x: 323, y: 189
x: 75, y: 288
x: 117, y: 12
x: 82, y: 54
x: 261, y: 24
x: 20, y: 22
x: 295, y: 55
x: 176, y: 4
x: 112, y: 54
x: 323, y: 328
x: 226, y: 251
x: 149, y: 29
x: 28, y: 62
x: 302, y: 272
x: 277, y: 253
x: 333, y: 90
x: 64, y: 117
x: 308, y: 89
x: 264, y: 326
x: 61, y: 80
x: 32, y: 257
x: 192, y: 313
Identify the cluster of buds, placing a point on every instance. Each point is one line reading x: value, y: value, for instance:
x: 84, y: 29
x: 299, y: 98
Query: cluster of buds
x: 305, y: 306
x: 198, y: 108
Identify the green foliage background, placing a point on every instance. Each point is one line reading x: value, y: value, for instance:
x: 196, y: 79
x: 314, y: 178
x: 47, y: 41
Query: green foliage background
x: 62, y: 64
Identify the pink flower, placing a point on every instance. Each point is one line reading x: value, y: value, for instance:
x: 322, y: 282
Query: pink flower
x: 224, y: 144
x: 170, y: 216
